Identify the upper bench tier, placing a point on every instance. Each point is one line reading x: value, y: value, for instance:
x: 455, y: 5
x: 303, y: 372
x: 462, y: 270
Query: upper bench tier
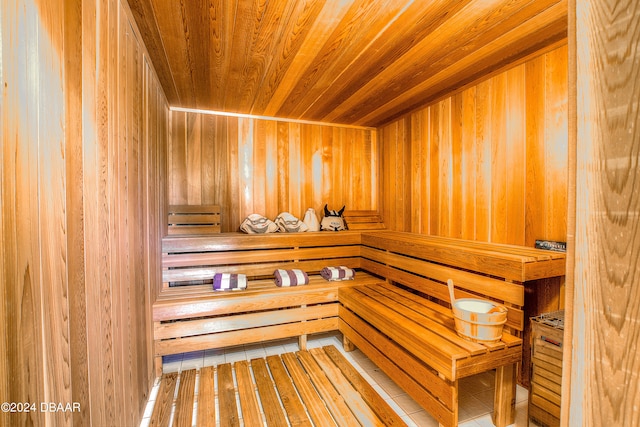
x: 517, y: 263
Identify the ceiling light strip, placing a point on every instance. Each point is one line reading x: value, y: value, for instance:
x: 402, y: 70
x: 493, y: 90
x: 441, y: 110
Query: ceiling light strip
x: 277, y: 119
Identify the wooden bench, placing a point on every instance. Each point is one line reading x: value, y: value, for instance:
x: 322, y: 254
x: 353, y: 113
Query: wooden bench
x: 405, y: 325
x: 194, y: 317
x: 193, y: 219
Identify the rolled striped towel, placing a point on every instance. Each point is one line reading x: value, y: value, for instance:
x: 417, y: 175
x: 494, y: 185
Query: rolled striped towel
x: 338, y: 273
x: 294, y: 277
x: 229, y: 282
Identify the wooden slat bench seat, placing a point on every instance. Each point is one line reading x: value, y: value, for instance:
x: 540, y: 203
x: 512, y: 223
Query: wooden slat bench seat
x: 194, y: 317
x: 406, y: 327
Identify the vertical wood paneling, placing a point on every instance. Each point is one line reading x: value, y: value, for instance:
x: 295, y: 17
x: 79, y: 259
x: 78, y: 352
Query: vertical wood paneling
x: 445, y: 168
x: 484, y: 115
x: 389, y: 134
x: 178, y: 189
x: 260, y: 166
x: 245, y: 164
x: 193, y: 154
x: 535, y: 150
x: 4, y: 331
x: 93, y: 171
x: 208, y: 124
x: 217, y: 159
x: 78, y: 333
x: 294, y: 171
x: 268, y: 167
x: 327, y: 152
x: 84, y: 125
x: 456, y: 213
x: 469, y: 171
x: 120, y: 149
x: 417, y: 166
x: 52, y: 200
x: 434, y: 170
x: 271, y: 169
x: 336, y: 175
x: 231, y: 141
x: 556, y: 128
x: 20, y: 236
x: 475, y: 159
x: 516, y: 160
x: 600, y: 377
x: 498, y: 178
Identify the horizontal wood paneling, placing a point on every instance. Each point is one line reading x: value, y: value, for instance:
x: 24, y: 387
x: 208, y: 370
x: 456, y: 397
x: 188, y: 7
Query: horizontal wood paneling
x: 249, y: 165
x: 488, y: 163
x: 84, y: 128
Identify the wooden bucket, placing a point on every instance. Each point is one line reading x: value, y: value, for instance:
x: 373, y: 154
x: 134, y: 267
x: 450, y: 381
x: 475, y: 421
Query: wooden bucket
x: 477, y: 320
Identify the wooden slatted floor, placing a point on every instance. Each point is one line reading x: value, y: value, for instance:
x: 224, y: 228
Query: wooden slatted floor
x: 316, y: 387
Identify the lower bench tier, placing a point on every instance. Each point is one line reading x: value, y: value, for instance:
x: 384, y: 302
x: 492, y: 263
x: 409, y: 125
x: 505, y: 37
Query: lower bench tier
x: 197, y: 318
x: 421, y: 351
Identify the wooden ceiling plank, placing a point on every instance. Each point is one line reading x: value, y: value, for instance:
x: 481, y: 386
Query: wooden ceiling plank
x: 362, y: 23
x: 293, y: 33
x: 320, y: 31
x: 144, y: 15
x: 198, y: 42
x: 416, y: 23
x: 241, y: 36
x: 473, y: 27
x: 266, y: 38
x: 170, y: 18
x: 503, y: 51
x: 221, y: 21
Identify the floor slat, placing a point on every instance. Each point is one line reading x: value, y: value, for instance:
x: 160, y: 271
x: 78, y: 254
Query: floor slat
x: 388, y: 416
x: 352, y: 398
x: 273, y: 413
x: 290, y: 400
x: 228, y: 408
x: 162, y: 409
x: 206, y: 416
x: 318, y: 411
x: 247, y: 394
x: 336, y: 404
x: 183, y: 416
x: 306, y: 388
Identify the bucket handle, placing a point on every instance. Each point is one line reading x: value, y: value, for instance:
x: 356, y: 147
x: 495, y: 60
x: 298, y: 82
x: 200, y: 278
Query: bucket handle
x: 450, y: 286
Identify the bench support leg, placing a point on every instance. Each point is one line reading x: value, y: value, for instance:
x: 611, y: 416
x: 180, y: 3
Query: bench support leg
x: 158, y: 365
x: 347, y: 344
x: 302, y: 342
x: 505, y: 396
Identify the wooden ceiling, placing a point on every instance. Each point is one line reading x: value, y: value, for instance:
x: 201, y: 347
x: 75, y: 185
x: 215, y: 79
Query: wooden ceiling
x: 362, y: 62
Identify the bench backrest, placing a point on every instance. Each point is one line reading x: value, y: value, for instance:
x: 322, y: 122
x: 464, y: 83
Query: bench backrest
x: 193, y: 219
x: 363, y: 220
x: 196, y: 258
x: 425, y: 263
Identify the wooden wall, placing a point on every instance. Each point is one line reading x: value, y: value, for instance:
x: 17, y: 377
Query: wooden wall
x: 84, y: 125
x: 488, y: 163
x: 602, y: 333
x: 255, y: 165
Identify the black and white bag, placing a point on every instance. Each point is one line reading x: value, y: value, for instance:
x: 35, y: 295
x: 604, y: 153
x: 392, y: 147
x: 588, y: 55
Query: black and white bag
x: 288, y: 223
x: 258, y: 224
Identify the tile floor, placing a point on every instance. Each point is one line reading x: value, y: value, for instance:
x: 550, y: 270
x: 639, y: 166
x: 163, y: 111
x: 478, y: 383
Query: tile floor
x: 476, y: 393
